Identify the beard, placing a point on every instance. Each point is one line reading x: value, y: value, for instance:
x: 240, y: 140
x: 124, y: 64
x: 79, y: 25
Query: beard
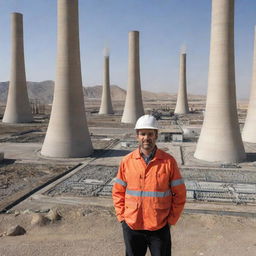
x: 147, y: 145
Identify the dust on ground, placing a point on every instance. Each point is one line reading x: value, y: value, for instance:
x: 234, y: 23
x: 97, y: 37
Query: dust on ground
x: 94, y: 231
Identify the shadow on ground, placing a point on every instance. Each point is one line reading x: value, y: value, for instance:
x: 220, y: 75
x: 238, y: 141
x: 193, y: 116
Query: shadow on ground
x: 110, y: 152
x: 251, y: 157
x: 7, y: 161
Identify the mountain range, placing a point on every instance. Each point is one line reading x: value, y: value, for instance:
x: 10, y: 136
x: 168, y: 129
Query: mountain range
x: 43, y: 91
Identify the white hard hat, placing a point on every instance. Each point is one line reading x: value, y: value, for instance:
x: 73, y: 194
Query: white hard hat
x: 146, y: 122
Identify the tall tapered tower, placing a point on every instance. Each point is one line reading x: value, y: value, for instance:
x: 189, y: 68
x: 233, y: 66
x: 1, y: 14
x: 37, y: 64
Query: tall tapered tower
x: 220, y: 138
x: 249, y: 131
x: 106, y: 104
x: 17, y: 107
x: 67, y: 134
x: 182, y: 99
x: 133, y: 108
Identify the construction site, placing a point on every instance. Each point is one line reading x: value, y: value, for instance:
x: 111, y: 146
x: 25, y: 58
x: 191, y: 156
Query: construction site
x: 80, y: 189
x: 59, y: 160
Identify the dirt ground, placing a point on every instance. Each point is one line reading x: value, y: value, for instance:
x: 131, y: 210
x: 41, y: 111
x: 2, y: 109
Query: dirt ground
x: 94, y: 231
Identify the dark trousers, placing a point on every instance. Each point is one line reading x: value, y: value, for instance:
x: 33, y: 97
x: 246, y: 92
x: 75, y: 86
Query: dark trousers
x: 137, y: 241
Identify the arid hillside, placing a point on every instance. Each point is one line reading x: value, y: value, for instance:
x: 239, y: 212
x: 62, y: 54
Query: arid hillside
x: 43, y: 91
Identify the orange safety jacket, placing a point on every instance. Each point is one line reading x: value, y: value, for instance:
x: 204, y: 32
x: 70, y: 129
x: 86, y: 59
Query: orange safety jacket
x: 149, y: 196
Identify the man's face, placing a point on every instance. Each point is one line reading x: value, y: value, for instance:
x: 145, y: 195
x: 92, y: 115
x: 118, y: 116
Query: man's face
x: 147, y: 139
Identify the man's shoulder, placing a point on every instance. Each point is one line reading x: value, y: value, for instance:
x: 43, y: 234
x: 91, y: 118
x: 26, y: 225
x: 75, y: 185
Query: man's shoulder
x: 133, y: 154
x: 163, y: 154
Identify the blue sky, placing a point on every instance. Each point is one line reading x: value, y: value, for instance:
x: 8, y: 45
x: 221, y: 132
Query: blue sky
x: 164, y: 25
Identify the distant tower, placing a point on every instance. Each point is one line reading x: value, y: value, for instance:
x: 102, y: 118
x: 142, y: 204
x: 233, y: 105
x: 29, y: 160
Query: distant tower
x: 182, y: 99
x: 133, y: 108
x: 17, y: 107
x: 67, y: 134
x: 249, y: 131
x: 106, y: 105
x: 220, y: 138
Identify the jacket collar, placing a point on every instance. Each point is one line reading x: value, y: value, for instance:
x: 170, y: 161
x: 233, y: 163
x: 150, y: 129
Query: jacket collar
x: 158, y: 154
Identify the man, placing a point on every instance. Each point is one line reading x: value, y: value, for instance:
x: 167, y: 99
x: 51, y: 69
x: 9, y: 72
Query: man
x: 149, y: 194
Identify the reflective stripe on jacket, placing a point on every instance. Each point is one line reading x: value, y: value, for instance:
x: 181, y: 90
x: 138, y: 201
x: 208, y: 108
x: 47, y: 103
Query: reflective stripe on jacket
x: 148, y: 196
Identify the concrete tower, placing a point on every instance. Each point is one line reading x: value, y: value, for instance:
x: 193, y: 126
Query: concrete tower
x: 133, y: 108
x: 220, y: 138
x: 67, y: 134
x: 17, y: 107
x: 182, y: 99
x: 106, y: 104
x: 249, y: 131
